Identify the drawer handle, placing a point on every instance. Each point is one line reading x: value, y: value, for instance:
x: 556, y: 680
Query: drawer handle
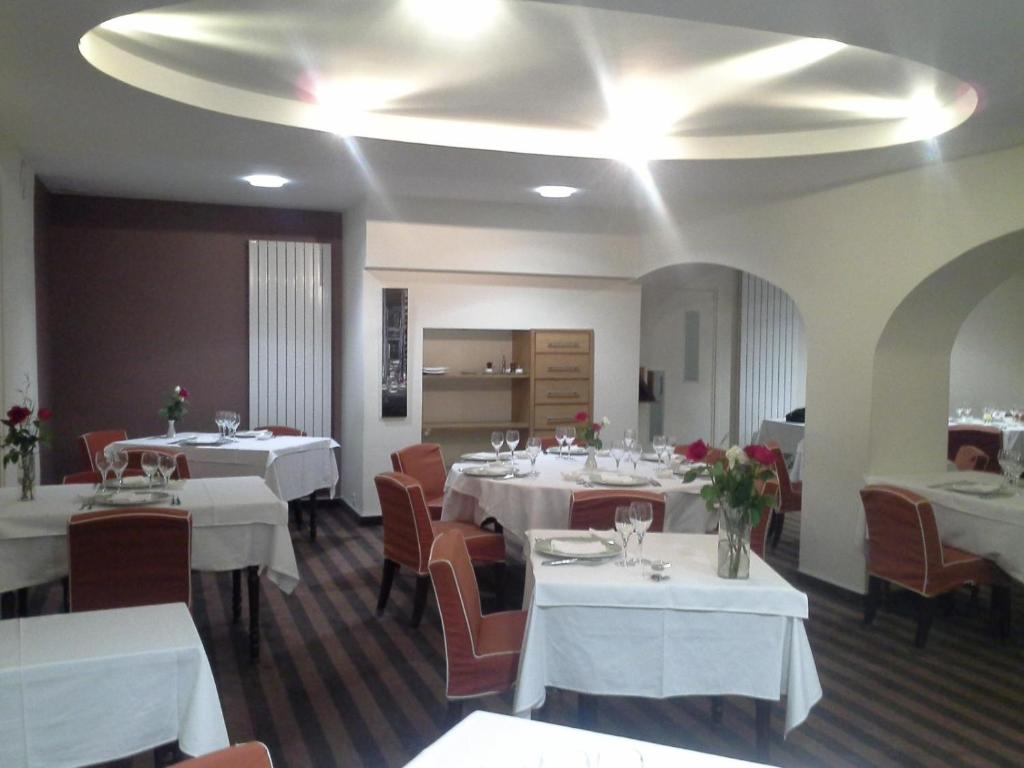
x: 563, y: 394
x: 564, y: 368
x: 563, y: 345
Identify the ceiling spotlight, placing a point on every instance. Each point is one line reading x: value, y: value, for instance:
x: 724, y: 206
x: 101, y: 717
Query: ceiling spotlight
x: 555, y: 190
x: 455, y: 18
x: 265, y: 180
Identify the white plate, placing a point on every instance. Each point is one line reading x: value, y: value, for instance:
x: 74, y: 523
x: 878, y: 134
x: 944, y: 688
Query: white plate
x: 250, y: 433
x: 576, y: 450
x: 583, y: 547
x: 131, y: 498
x: 974, y: 487
x: 478, y: 456
x: 489, y: 470
x: 620, y: 481
x: 203, y: 440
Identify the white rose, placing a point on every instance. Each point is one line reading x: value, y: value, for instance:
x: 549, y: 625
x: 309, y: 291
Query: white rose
x: 177, y: 390
x: 605, y: 421
x: 736, y: 455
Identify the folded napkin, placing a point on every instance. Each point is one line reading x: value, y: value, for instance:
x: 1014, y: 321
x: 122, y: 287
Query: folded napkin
x: 578, y: 546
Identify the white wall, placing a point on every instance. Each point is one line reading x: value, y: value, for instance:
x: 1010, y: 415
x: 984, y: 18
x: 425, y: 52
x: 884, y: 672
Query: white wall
x: 987, y: 363
x: 18, y: 357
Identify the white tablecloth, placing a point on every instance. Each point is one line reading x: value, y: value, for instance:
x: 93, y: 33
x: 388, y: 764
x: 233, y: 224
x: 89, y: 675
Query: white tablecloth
x: 83, y: 688
x: 487, y: 740
x: 520, y: 504
x: 236, y: 522
x: 1013, y: 432
x: 990, y: 527
x: 787, y: 434
x: 695, y: 634
x: 293, y: 467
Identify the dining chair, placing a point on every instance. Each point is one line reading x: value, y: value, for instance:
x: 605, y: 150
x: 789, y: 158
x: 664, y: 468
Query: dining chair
x: 970, y: 457
x: 714, y: 456
x: 253, y: 754
x: 425, y: 462
x: 547, y: 443
x: 92, y: 478
x: 181, y: 471
x: 481, y: 652
x: 92, y: 443
x: 409, y: 533
x: 596, y: 509
x: 280, y: 431
x: 790, y: 494
x: 904, y: 548
x: 129, y: 557
x: 759, y: 533
x: 989, y: 440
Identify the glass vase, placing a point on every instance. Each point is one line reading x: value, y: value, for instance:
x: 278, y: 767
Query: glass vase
x: 591, y: 463
x: 27, y: 476
x: 733, y: 543
x: 170, y: 429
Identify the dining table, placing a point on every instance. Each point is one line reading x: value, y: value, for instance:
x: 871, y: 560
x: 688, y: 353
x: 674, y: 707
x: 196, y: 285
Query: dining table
x: 521, y: 502
x: 691, y: 634
x: 237, y: 524
x: 83, y: 688
x: 489, y: 740
x: 292, y: 467
x: 974, y: 511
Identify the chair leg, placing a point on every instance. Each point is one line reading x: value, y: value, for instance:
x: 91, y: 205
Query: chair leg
x: 454, y: 714
x: 386, y: 580
x: 312, y: 516
x: 419, y: 601
x: 65, y: 584
x: 925, y: 614
x: 1002, y: 610
x: 762, y: 727
x: 298, y: 513
x: 236, y: 595
x: 775, y: 528
x: 872, y: 599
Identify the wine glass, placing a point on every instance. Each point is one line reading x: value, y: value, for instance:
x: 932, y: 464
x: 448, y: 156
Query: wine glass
x: 497, y: 440
x: 628, y: 438
x: 235, y: 420
x: 560, y: 437
x: 570, y: 438
x: 659, y: 446
x: 150, y: 466
x: 635, y: 452
x: 103, y: 465
x: 219, y: 418
x: 512, y: 438
x: 670, y: 449
x: 642, y: 515
x: 618, y: 450
x: 118, y: 463
x: 166, y: 465
x: 1011, y: 463
x: 533, y: 449
x: 624, y: 526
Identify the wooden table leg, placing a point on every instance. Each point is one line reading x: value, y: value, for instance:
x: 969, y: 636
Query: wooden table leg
x: 236, y: 595
x: 763, y: 720
x: 312, y: 516
x: 254, y: 613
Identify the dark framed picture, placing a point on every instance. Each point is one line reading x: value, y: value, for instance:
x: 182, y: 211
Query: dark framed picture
x: 394, y: 365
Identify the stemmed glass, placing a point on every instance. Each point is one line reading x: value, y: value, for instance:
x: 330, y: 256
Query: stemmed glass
x: 118, y: 463
x: 166, y: 464
x: 618, y: 450
x: 220, y: 418
x: 497, y: 440
x: 1012, y: 464
x: 512, y: 438
x: 624, y: 526
x: 670, y: 449
x: 533, y: 449
x: 659, y: 447
x: 628, y: 438
x: 103, y: 465
x: 641, y: 513
x: 232, y: 424
x: 570, y: 438
x: 635, y: 452
x: 560, y: 437
x: 150, y: 466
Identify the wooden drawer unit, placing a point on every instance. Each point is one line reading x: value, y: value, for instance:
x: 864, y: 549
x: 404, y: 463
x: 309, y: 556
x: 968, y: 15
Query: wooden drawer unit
x: 550, y: 416
x: 551, y: 391
x: 563, y: 342
x: 561, y: 366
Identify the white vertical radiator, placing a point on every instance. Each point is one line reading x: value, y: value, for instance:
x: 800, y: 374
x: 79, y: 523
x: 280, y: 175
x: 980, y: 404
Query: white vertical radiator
x: 290, y: 335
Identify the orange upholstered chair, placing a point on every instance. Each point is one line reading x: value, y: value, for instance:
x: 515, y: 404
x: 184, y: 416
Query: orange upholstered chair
x: 596, y: 509
x: 547, y: 443
x: 714, y: 456
x: 180, y: 459
x: 279, y: 431
x: 989, y: 440
x: 790, y: 494
x: 128, y: 557
x: 425, y: 462
x: 409, y: 533
x: 759, y: 533
x: 482, y: 652
x: 92, y: 478
x: 904, y: 548
x: 92, y: 443
x: 969, y: 457
x: 252, y: 755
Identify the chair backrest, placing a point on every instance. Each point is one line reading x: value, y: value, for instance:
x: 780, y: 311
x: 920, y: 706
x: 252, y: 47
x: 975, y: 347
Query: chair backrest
x: 254, y: 754
x: 970, y: 457
x: 458, y: 601
x: 714, y: 456
x: 547, y: 443
x: 93, y: 442
x: 759, y: 533
x: 596, y: 509
x: 396, y: 465
x: 781, y: 472
x: 92, y: 478
x: 280, y: 431
x: 180, y: 459
x: 128, y: 557
x: 989, y: 440
x: 425, y: 462
x: 408, y: 533
x: 903, y: 539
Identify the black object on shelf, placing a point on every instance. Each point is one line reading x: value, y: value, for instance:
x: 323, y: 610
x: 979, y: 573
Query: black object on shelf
x: 795, y: 416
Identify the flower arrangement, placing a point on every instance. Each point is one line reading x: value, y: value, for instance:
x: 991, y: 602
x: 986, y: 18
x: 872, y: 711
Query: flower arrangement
x: 590, y: 432
x: 176, y: 404
x: 26, y: 429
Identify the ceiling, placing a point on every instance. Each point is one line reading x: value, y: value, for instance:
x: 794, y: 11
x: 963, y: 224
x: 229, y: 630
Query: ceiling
x: 488, y: 115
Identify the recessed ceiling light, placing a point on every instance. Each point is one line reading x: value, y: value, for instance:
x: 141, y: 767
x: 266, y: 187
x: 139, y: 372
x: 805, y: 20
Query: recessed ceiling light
x: 554, y: 190
x: 455, y: 18
x: 266, y: 180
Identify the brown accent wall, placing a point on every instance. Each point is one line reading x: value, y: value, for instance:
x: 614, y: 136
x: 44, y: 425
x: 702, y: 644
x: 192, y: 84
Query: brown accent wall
x: 136, y: 296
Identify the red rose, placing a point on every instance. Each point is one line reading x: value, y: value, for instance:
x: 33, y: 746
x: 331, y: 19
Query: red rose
x: 581, y: 416
x: 45, y: 414
x: 596, y: 427
x: 760, y: 454
x: 17, y: 414
x: 696, y: 451
x: 183, y: 393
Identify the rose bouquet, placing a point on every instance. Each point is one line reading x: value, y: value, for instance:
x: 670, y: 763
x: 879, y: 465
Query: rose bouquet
x: 26, y: 429
x: 590, y: 432
x: 176, y: 404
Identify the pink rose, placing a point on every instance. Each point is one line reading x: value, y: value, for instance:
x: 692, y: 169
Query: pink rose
x: 17, y: 414
x: 45, y: 414
x: 760, y: 454
x: 581, y: 416
x: 696, y: 451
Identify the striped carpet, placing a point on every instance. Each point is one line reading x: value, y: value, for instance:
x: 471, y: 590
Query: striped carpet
x: 338, y: 686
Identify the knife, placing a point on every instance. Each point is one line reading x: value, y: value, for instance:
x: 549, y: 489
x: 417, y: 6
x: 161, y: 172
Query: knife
x: 566, y: 561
